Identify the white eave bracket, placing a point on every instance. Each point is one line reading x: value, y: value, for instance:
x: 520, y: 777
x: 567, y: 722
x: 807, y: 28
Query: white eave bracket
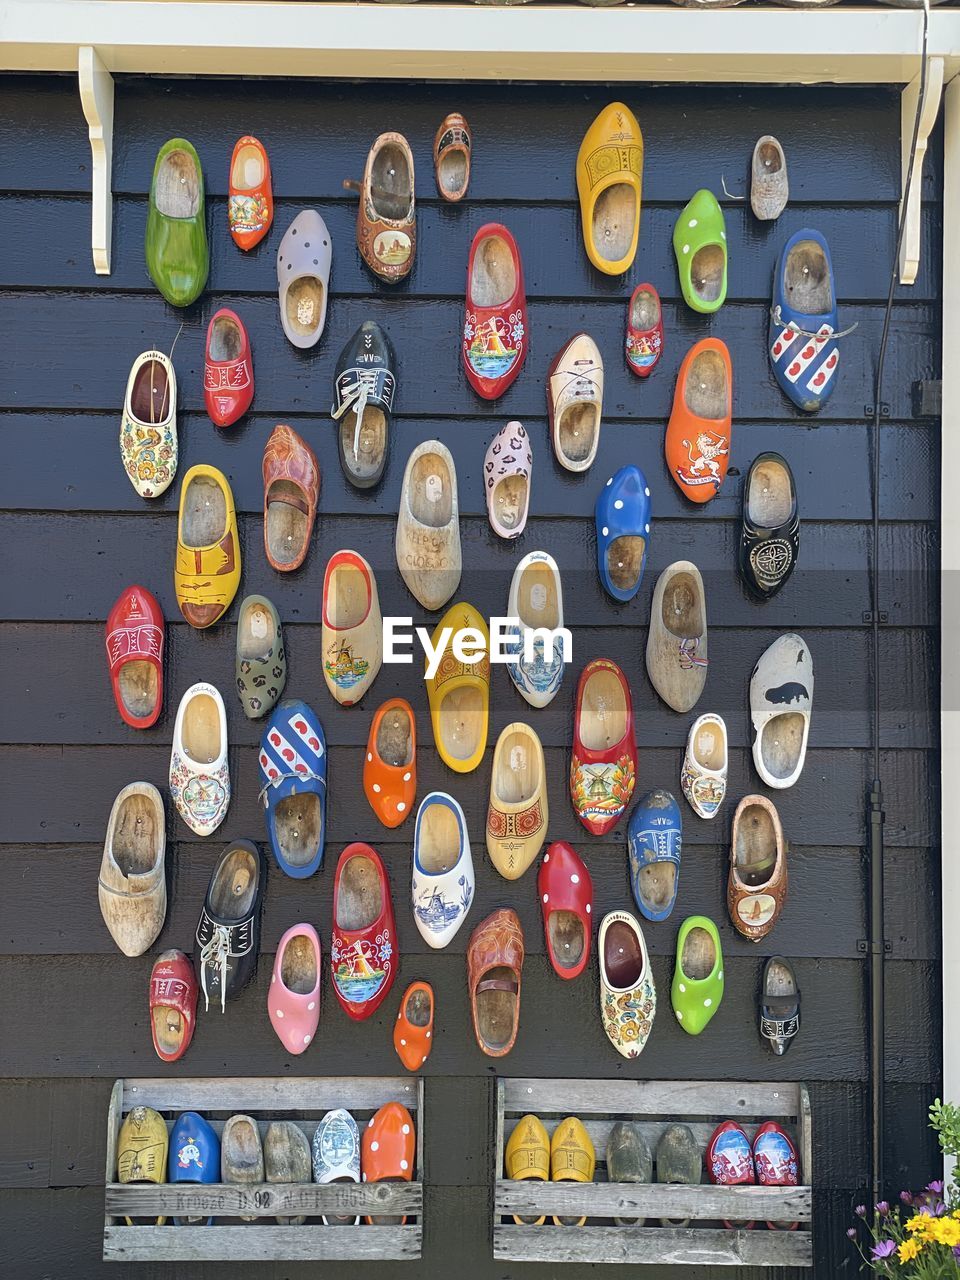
x: 909, y: 96
x: 96, y: 96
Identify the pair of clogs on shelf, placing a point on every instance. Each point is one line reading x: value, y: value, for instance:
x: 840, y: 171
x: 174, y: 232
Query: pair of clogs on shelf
x: 770, y: 1160
x: 281, y: 1154
x: 568, y: 1156
x: 351, y: 635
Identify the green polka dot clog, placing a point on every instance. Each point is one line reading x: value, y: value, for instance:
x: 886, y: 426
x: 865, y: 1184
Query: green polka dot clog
x: 700, y: 243
x: 698, y: 977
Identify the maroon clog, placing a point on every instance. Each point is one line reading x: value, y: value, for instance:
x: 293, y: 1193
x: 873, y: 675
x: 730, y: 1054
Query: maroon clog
x: 566, y: 900
x: 227, y: 369
x: 729, y: 1159
x: 495, y: 327
x: 363, y: 947
x: 777, y: 1163
x: 135, y: 634
x: 644, y: 344
x: 603, y: 764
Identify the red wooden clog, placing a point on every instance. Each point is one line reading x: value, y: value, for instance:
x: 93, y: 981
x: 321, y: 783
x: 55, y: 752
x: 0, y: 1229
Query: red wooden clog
x: 603, y: 764
x: 173, y: 1004
x: 644, y: 330
x: 227, y: 369
x: 495, y: 323
x: 566, y: 900
x: 135, y: 633
x: 364, y: 937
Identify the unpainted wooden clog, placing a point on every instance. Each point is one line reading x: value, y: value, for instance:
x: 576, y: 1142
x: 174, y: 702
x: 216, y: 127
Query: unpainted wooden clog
x: 390, y: 764
x: 575, y: 402
x: 250, y: 193
x: 336, y: 1157
x: 293, y: 787
x: 291, y: 491
x: 644, y: 344
x: 365, y: 383
x: 261, y: 663
x: 803, y: 319
x: 228, y: 931
x: 459, y: 692
x: 700, y: 245
x: 494, y: 973
x: 363, y: 946
x: 194, y: 1157
x: 572, y: 1159
x: 387, y: 216
x: 293, y: 1000
x: 697, y: 987
x: 603, y: 762
x: 609, y: 184
x: 413, y: 1029
x: 148, y: 426
x: 132, y: 886
x: 769, y: 526
x: 536, y: 601
x: 142, y: 1151
x: 697, y: 443
x: 703, y: 777
x: 629, y: 1159
x: 677, y: 636
x: 527, y: 1156
x: 451, y: 156
x: 628, y: 994
x: 199, y: 766
x: 443, y: 876
x: 428, y: 525
x: 175, y: 244
x: 565, y: 889
x: 779, y: 1005
x: 286, y: 1160
x: 303, y: 278
x: 241, y: 1153
x: 495, y: 327
x: 135, y: 634
x: 207, y: 570
x: 622, y: 516
x: 679, y: 1163
x: 351, y: 636
x: 388, y: 1152
x: 769, y: 186
x: 173, y: 1006
x: 227, y: 369
x: 654, y: 844
x: 757, y: 881
x: 781, y: 703
x: 508, y: 473
x: 518, y: 812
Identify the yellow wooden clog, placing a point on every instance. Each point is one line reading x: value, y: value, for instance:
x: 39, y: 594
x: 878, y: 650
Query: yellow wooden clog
x: 207, y: 571
x: 609, y: 181
x: 528, y: 1156
x: 142, y: 1150
x: 572, y: 1159
x: 459, y: 692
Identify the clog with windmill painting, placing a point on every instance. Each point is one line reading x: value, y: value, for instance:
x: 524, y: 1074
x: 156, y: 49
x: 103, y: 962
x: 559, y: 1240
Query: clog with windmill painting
x: 363, y: 946
x: 459, y: 692
x: 758, y: 878
x: 250, y: 198
x: 644, y: 344
x: 428, y: 525
x: 609, y: 184
x: 677, y: 650
x: 443, y: 877
x: 495, y: 325
x: 148, y: 426
x: 518, y: 812
x: 697, y: 443
x: 536, y: 601
x: 207, y: 570
x: 351, y: 637
x: 227, y: 369
x: 175, y: 243
x: 390, y: 764
x: 387, y: 216
x: 293, y: 787
x: 803, y: 321
x: 603, y: 763
x: 135, y: 638
x: 575, y: 402
x: 199, y: 764
x: 703, y: 776
x: 700, y: 245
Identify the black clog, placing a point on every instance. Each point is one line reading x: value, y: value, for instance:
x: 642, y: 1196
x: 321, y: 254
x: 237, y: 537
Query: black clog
x: 365, y: 383
x: 228, y: 932
x: 779, y: 1005
x: 769, y: 525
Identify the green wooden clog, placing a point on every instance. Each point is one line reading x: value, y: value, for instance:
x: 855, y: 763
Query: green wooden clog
x: 698, y: 977
x: 700, y: 243
x: 176, y: 240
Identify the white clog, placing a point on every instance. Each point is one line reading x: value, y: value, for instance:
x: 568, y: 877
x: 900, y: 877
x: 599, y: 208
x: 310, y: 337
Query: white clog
x: 703, y: 777
x: 781, y: 702
x: 303, y: 278
x: 443, y: 878
x: 536, y: 599
x: 628, y: 995
x: 199, y: 772
x: 148, y: 427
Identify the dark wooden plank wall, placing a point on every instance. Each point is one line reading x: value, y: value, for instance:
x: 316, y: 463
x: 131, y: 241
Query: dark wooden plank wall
x: 74, y: 532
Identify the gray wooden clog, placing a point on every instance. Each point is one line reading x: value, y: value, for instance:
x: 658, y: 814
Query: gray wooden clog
x: 769, y: 187
x: 677, y: 636
x: 286, y: 1159
x: 261, y: 657
x: 628, y: 1160
x: 241, y: 1153
x: 678, y: 1161
x: 781, y: 702
x: 303, y: 278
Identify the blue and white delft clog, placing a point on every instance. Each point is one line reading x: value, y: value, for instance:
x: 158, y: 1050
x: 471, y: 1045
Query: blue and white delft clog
x: 293, y: 787
x: 654, y: 841
x: 443, y: 876
x: 623, y: 532
x: 803, y: 317
x: 194, y: 1156
x: 536, y: 600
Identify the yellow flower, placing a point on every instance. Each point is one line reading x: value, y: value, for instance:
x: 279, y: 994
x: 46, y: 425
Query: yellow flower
x: 908, y: 1250
x: 945, y: 1231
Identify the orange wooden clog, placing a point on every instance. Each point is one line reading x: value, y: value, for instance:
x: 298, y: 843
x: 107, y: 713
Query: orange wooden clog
x: 388, y: 1151
x: 413, y: 1029
x: 250, y: 203
x: 697, y: 443
x: 390, y: 767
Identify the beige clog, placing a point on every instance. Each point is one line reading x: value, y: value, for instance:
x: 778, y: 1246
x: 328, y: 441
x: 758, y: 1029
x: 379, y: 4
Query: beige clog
x: 351, y: 637
x: 518, y: 812
x: 575, y: 402
x: 428, y: 525
x: 132, y: 887
x: 677, y: 636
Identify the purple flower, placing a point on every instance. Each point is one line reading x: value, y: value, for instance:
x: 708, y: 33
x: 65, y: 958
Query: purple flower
x: 956, y: 1250
x: 852, y: 1234
x: 906, y: 1197
x: 861, y: 1211
x: 883, y: 1249
x: 935, y: 1187
x: 882, y: 1208
x: 939, y: 1209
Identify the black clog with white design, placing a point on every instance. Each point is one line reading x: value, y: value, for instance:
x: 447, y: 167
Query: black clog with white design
x: 365, y: 383
x: 228, y: 932
x: 769, y: 525
x: 779, y: 1005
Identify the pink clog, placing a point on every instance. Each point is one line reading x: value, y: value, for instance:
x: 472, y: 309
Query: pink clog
x: 293, y: 1000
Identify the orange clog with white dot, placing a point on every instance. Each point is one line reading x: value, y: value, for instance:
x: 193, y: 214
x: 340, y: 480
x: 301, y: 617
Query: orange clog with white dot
x: 413, y: 1029
x: 388, y: 1152
x: 390, y: 766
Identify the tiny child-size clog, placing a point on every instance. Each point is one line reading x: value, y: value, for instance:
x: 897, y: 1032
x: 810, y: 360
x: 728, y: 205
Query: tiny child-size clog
x: 132, y: 885
x: 135, y: 633
x: 495, y: 955
x: 149, y: 448
x: 603, y: 762
x: 508, y: 472
x: 228, y: 931
x: 173, y: 1005
x: 291, y: 491
x: 199, y: 764
x: 572, y: 1159
x: 575, y: 384
x: 495, y: 326
x: 351, y: 635
x: 677, y: 649
x: 757, y: 880
x: 781, y: 703
x: 804, y: 351
x: 388, y: 1152
x: 293, y: 787
x: 427, y: 541
x: 697, y: 442
x: 769, y: 185
x: 703, y: 777
x: 459, y: 692
x: 536, y: 601
x: 518, y: 812
x: 443, y: 876
x: 303, y: 278
x: 336, y: 1156
x: 293, y: 997
x: 769, y: 526
x: 628, y: 994
x: 413, y: 1029
x: 207, y: 570
x: 227, y: 369
x: 261, y: 663
x: 387, y: 213
x: 364, y: 386
x: 527, y: 1156
x: 390, y: 765
x: 175, y: 243
x: 250, y: 193
x: 363, y: 945
x: 779, y: 1005
x: 142, y: 1145
x: 697, y: 987
x: 622, y: 516
x: 451, y: 157
x: 654, y: 843
x: 194, y: 1157
x: 565, y: 889
x: 700, y: 245
x: 644, y: 344
x: 609, y: 184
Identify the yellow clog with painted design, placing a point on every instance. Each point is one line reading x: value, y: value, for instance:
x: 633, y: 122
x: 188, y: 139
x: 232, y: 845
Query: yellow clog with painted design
x: 459, y: 692
x: 528, y: 1156
x: 207, y: 572
x: 609, y: 182
x: 142, y: 1150
x: 572, y: 1159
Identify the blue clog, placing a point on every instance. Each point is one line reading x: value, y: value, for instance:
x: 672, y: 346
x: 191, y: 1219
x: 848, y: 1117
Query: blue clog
x: 293, y: 787
x: 194, y: 1155
x: 623, y: 531
x: 653, y: 848
x: 803, y: 316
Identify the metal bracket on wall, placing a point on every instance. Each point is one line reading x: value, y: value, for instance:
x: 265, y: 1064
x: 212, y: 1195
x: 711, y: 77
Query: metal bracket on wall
x: 910, y: 248
x: 866, y: 948
x: 96, y: 97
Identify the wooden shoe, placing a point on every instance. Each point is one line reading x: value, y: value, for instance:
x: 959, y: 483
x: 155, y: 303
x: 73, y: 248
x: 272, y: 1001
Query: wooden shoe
x: 443, y: 876
x: 776, y: 1162
x: 644, y: 344
x: 173, y: 1006
x: 769, y: 526
x: 261, y: 657
x: 622, y: 517
x: 241, y: 1153
x: 386, y: 217
x: 769, y: 187
x: 250, y: 199
x: 527, y: 1156
x: 413, y: 1029
x: 390, y: 765
x: 566, y: 901
x: 628, y: 994
x: 363, y: 947
x: 700, y: 245
x: 729, y: 1160
x: 697, y: 443
x: 148, y: 425
x: 677, y: 636
x: 142, y: 1152
x: 654, y: 844
x: 293, y: 787
x: 609, y: 182
x: 336, y: 1157
x: 228, y: 931
x: 388, y: 1152
x: 291, y: 491
x: 428, y: 525
x: 703, y: 778
x: 194, y: 1157
x: 451, y: 157
x: 494, y: 972
x: 679, y: 1163
x: 227, y: 369
x: 508, y: 471
x: 293, y: 1000
x: 629, y: 1159
x: 781, y: 703
x: 135, y: 637
x: 518, y: 813
x: 132, y: 887
x: 207, y: 571
x: 575, y: 402
x: 757, y: 883
x: 459, y: 693
x: 779, y: 1005
x: 803, y: 319
x: 286, y: 1160
x: 536, y: 600
x: 365, y: 383
x: 175, y: 244
x: 303, y: 278
x: 199, y: 767
x: 603, y: 763
x: 351, y: 637
x: 697, y: 987
x: 495, y: 324
x: 572, y: 1159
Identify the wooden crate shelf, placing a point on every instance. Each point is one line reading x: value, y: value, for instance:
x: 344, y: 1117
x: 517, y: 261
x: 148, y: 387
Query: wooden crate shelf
x: 304, y: 1101
x: 654, y: 1104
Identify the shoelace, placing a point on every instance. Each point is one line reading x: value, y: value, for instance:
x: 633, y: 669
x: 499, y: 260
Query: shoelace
x: 216, y: 953
x: 356, y: 398
x: 585, y: 377
x: 777, y: 317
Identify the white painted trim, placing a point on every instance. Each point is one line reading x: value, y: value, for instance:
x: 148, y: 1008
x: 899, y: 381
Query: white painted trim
x: 910, y: 96
x: 96, y: 98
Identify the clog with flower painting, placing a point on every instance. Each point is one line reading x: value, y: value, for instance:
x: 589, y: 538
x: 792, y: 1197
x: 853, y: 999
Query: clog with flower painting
x: 603, y: 764
x: 250, y: 200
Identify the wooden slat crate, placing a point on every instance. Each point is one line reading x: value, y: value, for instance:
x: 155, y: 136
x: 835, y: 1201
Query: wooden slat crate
x: 654, y: 1104
x: 302, y: 1100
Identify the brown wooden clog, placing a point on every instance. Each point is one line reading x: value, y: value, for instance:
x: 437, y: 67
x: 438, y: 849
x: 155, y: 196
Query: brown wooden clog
x: 494, y: 966
x: 386, y: 218
x: 769, y: 186
x: 291, y: 490
x: 451, y: 157
x: 241, y: 1153
x: 757, y: 883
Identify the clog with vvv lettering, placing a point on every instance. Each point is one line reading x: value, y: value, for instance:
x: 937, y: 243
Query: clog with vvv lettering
x: 459, y: 692
x: 697, y: 443
x: 207, y: 571
x: 609, y: 182
x: 803, y: 319
x: 363, y: 945
x: 175, y: 244
x: 603, y: 763
x: 135, y: 636
x: 495, y: 326
x: 390, y: 765
x: 622, y: 516
x: 250, y: 200
x: 700, y: 244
